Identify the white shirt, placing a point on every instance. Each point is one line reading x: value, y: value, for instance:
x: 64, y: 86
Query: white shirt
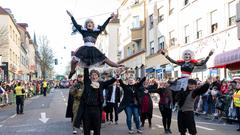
x: 113, y: 97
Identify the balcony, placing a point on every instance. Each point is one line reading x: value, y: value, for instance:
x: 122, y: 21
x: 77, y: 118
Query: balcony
x: 137, y: 33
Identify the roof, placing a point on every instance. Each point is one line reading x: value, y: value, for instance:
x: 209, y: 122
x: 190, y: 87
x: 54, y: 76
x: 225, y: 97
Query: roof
x: 24, y: 26
x: 3, y: 11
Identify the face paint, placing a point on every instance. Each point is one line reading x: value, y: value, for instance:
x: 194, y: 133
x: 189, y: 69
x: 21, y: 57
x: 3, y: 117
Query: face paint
x: 187, y: 56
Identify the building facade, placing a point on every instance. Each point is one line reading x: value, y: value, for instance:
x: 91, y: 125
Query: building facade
x: 18, y: 52
x: 195, y: 25
x: 132, y: 39
x: 10, y: 48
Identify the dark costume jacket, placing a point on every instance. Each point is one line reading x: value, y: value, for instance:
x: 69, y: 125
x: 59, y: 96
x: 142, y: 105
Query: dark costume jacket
x: 117, y: 94
x: 131, y: 93
x: 91, y: 96
x: 187, y: 67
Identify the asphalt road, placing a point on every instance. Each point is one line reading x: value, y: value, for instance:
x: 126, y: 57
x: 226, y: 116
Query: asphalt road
x: 46, y: 116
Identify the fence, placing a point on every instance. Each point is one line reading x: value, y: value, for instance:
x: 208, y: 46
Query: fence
x: 7, y: 98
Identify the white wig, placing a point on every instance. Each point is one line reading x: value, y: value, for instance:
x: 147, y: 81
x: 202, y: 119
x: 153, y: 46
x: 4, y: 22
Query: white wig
x: 189, y: 52
x: 87, y: 21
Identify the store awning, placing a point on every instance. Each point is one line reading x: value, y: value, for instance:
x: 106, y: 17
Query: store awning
x: 222, y: 60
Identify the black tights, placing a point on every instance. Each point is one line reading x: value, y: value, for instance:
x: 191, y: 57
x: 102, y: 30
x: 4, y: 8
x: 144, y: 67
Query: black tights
x: 145, y: 116
x: 166, y: 116
x: 238, y: 115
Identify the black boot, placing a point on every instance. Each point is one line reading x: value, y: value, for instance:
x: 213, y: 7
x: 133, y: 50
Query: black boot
x: 166, y: 131
x: 169, y: 131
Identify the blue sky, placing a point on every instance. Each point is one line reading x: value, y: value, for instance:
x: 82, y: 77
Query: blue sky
x: 48, y: 17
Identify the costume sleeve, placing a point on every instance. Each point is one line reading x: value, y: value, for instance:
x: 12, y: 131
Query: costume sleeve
x: 86, y: 76
x: 102, y: 28
x: 173, y: 61
x: 156, y: 90
x: 201, y: 90
x: 201, y: 63
x: 76, y: 27
x: 152, y: 87
x: 141, y: 82
x: 122, y: 84
x: 108, y: 82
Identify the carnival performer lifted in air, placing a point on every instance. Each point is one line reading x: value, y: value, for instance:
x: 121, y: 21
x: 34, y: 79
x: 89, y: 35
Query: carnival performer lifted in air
x: 187, y: 66
x: 88, y: 55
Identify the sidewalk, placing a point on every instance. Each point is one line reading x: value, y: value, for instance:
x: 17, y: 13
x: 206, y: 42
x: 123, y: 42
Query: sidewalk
x: 212, y: 117
x: 7, y: 99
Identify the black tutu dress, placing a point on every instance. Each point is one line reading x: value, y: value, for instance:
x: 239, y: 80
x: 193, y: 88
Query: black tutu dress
x: 88, y: 55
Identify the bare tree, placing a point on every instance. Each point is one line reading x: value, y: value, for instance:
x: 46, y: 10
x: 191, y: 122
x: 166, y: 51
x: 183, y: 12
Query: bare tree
x: 3, y: 34
x: 46, y: 56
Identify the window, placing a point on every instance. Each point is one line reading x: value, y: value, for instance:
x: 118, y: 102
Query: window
x: 186, y: 2
x: 160, y: 15
x: 214, y: 24
x: 199, y: 28
x: 161, y: 42
x: 186, y: 33
x: 129, y: 51
x: 171, y: 6
x: 134, y: 49
x: 172, y: 38
x: 136, y: 22
x: 151, y: 21
x: 176, y: 74
x: 138, y: 43
x: 232, y: 13
x: 151, y: 48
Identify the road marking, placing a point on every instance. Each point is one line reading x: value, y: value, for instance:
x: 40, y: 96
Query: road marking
x: 43, y: 118
x: 209, y: 129
x: 205, y: 128
x: 13, y: 116
x: 159, y: 126
x: 42, y: 105
x: 8, y: 118
x: 1, y: 125
x: 64, y: 99
x: 66, y: 104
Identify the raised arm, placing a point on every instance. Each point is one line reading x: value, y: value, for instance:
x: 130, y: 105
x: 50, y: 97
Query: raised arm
x: 121, y: 83
x: 78, y: 27
x: 172, y: 60
x: 158, y: 90
x: 86, y: 78
x: 108, y: 82
x: 201, y: 90
x: 167, y: 57
x: 141, y: 82
x: 205, y: 61
x: 102, y: 28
